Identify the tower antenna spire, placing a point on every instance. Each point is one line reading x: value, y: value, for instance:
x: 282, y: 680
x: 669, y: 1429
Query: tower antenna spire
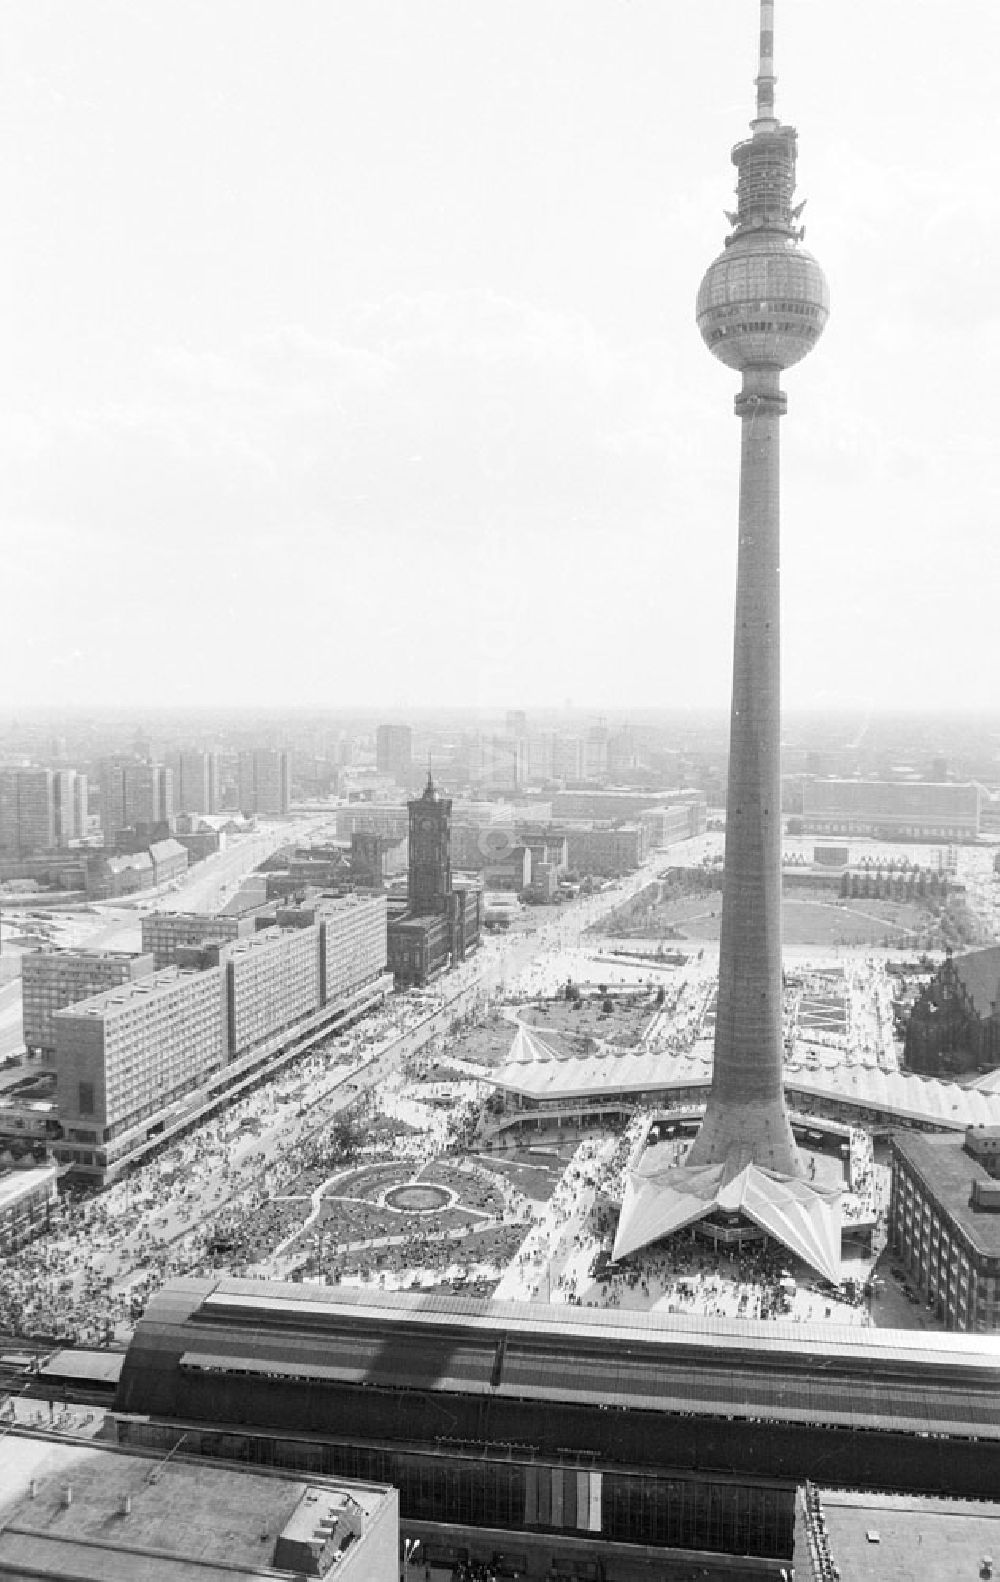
x: 765, y: 63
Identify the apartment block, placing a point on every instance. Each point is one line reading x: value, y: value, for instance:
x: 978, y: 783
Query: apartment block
x: 53, y: 979
x: 134, y: 793
x: 27, y: 811
x: 69, y: 791
x: 394, y: 752
x: 163, y: 933
x: 353, y: 942
x: 264, y: 782
x: 196, y: 782
x: 272, y: 981
x: 124, y: 1056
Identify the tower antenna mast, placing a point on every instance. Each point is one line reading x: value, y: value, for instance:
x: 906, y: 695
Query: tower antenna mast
x: 765, y: 64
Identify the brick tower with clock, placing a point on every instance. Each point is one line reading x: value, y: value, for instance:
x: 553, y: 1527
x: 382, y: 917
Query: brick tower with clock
x: 430, y: 853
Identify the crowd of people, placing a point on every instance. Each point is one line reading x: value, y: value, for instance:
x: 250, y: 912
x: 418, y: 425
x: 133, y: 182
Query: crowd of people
x: 220, y: 1200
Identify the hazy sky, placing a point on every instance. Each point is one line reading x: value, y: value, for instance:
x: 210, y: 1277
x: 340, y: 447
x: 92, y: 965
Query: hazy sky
x: 348, y: 351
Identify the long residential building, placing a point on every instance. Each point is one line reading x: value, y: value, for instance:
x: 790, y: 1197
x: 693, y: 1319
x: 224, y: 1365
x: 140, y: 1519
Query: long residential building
x: 272, y: 981
x: 892, y: 809
x: 53, y: 979
x: 123, y: 1055
x: 133, y: 1062
x: 265, y: 782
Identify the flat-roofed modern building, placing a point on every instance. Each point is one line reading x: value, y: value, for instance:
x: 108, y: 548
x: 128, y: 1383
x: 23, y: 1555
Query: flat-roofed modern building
x: 70, y: 797
x: 93, y: 1512
x: 944, y: 1226
x: 196, y: 781
x: 27, y: 811
x: 372, y: 818
x: 125, y: 1055
x: 264, y: 782
x: 869, y: 1537
x: 26, y: 1199
x: 53, y: 979
x: 272, y: 982
x: 892, y: 809
x: 674, y: 821
x: 353, y: 934
x: 394, y: 752
x: 606, y: 853
x: 164, y: 933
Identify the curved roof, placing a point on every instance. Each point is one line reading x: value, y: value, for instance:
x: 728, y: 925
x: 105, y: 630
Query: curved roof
x: 537, y: 1070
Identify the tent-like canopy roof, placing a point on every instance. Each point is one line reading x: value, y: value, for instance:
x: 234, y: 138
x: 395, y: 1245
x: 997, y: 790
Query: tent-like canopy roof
x: 660, y: 1199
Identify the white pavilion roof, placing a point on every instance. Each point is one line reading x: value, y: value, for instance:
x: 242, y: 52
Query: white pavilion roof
x: 661, y: 1199
x: 538, y: 1070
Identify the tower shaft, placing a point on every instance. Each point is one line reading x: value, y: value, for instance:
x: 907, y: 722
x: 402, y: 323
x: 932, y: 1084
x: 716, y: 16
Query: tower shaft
x: 746, y: 1115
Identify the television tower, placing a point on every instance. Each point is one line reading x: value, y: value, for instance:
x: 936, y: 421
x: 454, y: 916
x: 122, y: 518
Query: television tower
x: 761, y: 307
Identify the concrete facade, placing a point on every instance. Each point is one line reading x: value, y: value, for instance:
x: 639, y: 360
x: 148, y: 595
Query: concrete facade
x: 124, y: 1055
x: 272, y: 981
x: 53, y: 979
x: 761, y: 307
x: 164, y: 932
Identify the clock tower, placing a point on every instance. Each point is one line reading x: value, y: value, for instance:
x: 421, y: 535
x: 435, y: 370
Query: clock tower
x: 430, y: 852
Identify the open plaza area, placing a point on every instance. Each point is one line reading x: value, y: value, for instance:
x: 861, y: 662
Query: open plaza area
x: 385, y: 1156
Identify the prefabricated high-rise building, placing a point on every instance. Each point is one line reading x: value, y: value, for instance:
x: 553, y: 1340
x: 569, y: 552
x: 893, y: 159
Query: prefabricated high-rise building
x: 265, y: 782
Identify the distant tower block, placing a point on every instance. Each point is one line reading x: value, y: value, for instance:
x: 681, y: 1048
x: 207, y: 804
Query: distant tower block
x: 761, y: 307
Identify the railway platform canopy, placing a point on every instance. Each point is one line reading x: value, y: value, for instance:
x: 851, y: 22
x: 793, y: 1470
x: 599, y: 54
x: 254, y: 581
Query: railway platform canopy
x: 201, y: 1338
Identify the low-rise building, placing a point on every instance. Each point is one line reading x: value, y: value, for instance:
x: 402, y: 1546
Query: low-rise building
x: 27, y: 1197
x: 126, y: 875
x: 606, y: 851
x: 169, y: 858
x: 892, y: 809
x: 674, y: 821
x: 944, y: 1226
x: 53, y: 979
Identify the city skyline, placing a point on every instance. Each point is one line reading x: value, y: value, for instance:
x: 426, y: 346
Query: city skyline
x: 377, y: 327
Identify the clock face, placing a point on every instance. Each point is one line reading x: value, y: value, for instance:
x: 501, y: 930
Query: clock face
x: 426, y: 826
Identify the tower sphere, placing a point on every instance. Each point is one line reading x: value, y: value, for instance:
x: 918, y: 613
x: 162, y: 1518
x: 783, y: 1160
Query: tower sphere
x: 764, y: 301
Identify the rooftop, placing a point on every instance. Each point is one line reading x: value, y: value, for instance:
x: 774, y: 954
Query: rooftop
x: 14, y: 1183
x: 949, y: 1172
x: 132, y: 992
x: 542, y: 1073
x: 129, y: 1516
x: 895, y: 1537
